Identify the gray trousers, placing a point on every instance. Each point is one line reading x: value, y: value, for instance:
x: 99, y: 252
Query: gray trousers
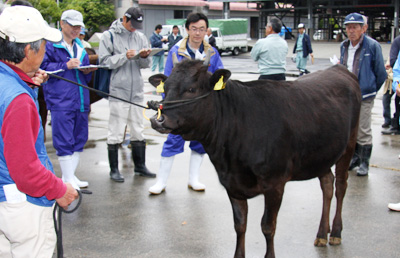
x: 364, y: 136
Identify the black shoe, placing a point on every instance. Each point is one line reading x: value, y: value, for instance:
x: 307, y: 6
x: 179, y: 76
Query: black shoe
x: 139, y: 159
x: 385, y: 125
x: 391, y: 131
x: 307, y: 71
x: 115, y: 175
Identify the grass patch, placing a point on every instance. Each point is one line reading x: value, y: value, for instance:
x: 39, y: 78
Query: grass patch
x: 94, y: 44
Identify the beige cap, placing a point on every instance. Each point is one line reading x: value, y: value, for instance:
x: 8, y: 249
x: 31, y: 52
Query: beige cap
x: 24, y: 24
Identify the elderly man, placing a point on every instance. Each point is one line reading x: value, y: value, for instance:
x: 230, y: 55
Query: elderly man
x: 363, y: 56
x: 302, y: 48
x: 271, y: 52
x: 28, y: 186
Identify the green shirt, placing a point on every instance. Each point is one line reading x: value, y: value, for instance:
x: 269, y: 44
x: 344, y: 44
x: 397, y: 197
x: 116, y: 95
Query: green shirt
x: 270, y: 53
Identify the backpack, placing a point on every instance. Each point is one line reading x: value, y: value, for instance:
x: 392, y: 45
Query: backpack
x: 102, y: 78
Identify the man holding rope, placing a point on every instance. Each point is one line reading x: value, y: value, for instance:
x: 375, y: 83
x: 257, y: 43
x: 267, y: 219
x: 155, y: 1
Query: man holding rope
x: 28, y: 186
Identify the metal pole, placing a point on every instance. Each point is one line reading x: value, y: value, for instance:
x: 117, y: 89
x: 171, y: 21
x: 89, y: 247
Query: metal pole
x: 226, y: 10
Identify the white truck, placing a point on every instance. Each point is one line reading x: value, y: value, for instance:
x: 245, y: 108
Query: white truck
x: 230, y: 34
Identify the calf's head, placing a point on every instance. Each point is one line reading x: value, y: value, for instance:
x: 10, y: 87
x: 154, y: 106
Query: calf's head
x: 188, y: 103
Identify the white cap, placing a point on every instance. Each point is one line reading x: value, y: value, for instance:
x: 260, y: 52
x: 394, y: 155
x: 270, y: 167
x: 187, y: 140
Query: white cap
x: 300, y: 26
x: 73, y: 17
x: 25, y: 24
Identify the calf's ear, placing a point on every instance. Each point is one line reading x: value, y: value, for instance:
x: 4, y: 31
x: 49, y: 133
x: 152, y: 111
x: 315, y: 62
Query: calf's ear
x: 221, y: 76
x: 156, y: 79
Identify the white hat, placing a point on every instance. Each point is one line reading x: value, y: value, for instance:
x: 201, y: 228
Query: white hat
x: 300, y: 26
x: 73, y: 17
x: 25, y: 24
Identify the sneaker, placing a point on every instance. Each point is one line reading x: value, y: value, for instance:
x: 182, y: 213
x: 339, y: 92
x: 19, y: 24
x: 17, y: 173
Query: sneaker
x: 391, y: 131
x: 394, y: 206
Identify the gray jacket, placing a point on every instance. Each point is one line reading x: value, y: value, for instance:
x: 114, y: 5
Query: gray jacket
x: 126, y: 78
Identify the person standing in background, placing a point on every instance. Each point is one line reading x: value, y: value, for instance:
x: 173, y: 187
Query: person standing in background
x: 174, y: 38
x: 156, y: 41
x: 302, y: 48
x: 271, y: 52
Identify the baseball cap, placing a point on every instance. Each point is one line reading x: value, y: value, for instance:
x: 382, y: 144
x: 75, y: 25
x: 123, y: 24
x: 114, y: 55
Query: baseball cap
x: 300, y: 26
x: 354, y: 18
x: 135, y: 15
x: 73, y: 17
x: 25, y: 24
x: 83, y: 31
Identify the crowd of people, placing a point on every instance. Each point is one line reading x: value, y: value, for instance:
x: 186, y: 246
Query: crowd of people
x: 30, y: 49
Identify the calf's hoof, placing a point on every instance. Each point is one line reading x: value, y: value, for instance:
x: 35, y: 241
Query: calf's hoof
x: 320, y: 242
x: 335, y: 240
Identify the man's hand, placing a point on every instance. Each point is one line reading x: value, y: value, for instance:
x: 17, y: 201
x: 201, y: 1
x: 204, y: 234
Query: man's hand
x: 130, y: 53
x: 70, y: 195
x: 144, y: 52
x: 387, y: 66
x: 40, y: 77
x: 73, y: 63
x: 88, y: 70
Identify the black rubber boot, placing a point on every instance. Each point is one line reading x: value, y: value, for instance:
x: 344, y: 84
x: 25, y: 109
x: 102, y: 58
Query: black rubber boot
x: 365, y: 156
x: 139, y: 158
x: 356, y: 160
x: 113, y: 160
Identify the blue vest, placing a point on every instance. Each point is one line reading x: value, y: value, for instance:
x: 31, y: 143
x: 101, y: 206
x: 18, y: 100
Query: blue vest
x: 12, y: 86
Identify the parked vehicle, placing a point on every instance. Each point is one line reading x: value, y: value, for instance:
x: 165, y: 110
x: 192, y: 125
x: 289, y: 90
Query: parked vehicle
x: 230, y: 34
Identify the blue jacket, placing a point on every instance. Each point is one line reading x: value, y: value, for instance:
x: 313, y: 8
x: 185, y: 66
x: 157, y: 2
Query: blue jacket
x: 12, y: 86
x: 155, y: 41
x: 307, y: 49
x: 59, y: 94
x: 371, y: 72
x: 181, y: 52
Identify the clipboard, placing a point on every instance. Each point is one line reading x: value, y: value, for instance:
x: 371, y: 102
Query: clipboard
x: 93, y: 66
x: 152, y: 53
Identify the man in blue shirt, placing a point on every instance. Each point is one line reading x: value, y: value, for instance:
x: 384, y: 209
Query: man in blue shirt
x: 271, y: 52
x: 191, y: 47
x: 302, y: 48
x: 156, y: 41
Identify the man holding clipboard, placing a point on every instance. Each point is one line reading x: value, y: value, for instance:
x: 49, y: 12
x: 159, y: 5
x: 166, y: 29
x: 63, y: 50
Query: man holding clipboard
x: 126, y: 50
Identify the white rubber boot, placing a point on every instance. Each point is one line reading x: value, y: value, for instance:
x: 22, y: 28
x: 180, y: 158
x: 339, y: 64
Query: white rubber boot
x: 194, y: 169
x: 75, y: 160
x: 162, y: 176
x: 67, y: 169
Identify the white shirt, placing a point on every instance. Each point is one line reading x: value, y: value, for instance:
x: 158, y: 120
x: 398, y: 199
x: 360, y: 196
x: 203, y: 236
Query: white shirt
x: 350, y: 55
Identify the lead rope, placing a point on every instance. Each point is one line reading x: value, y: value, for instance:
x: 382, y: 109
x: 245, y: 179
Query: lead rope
x: 57, y: 218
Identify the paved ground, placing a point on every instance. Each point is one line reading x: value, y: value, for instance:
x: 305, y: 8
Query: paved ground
x: 123, y: 220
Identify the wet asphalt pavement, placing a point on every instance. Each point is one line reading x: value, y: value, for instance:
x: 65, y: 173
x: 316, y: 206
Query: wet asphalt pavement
x: 123, y: 220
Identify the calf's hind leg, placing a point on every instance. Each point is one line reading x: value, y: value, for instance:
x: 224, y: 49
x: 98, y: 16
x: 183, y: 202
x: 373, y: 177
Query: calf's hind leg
x: 342, y: 175
x: 326, y: 183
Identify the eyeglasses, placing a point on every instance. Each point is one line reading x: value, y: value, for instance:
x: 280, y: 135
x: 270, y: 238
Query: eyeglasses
x: 195, y: 30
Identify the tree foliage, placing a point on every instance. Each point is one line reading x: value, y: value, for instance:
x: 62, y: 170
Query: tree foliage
x: 95, y: 13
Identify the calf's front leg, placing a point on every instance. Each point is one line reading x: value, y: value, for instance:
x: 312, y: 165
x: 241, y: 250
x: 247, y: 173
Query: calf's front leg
x: 240, y: 209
